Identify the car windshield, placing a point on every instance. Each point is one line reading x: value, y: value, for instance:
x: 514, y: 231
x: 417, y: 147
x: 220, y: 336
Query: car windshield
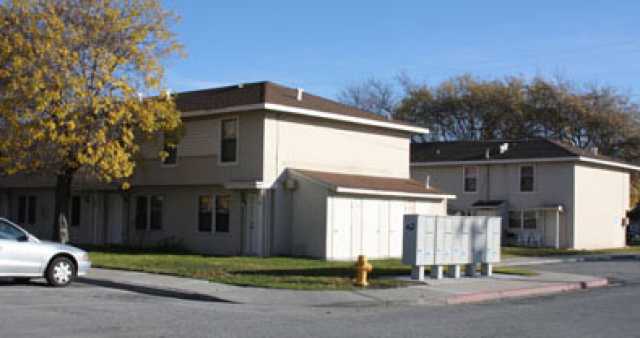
x: 10, y: 232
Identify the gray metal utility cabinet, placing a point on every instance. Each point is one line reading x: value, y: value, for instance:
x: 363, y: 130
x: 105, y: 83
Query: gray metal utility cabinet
x: 439, y: 241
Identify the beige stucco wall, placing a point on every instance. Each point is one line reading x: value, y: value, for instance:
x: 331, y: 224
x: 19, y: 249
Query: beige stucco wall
x: 302, y: 142
x: 309, y: 219
x: 92, y: 219
x: 180, y: 221
x: 198, y: 153
x: 553, y: 185
x: 602, y: 200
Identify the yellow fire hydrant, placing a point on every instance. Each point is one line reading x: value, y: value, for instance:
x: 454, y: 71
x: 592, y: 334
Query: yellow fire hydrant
x: 363, y: 268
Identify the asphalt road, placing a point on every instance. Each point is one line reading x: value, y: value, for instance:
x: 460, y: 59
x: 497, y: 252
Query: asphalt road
x: 84, y: 310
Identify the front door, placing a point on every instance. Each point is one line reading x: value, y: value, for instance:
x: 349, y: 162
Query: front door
x: 252, y: 219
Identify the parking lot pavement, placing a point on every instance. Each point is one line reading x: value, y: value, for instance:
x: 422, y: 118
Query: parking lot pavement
x: 89, y: 310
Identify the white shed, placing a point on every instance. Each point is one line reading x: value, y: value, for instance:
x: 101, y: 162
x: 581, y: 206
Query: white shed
x: 340, y: 216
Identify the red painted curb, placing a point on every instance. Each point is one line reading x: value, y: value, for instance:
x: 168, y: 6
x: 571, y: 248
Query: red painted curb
x: 525, y: 292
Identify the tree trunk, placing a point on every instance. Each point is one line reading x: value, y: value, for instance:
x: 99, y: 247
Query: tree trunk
x: 62, y: 200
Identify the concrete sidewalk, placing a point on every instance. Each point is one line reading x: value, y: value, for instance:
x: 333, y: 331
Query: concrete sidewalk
x: 432, y: 292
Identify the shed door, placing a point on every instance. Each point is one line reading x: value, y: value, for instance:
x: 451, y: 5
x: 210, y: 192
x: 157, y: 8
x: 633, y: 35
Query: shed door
x: 396, y: 217
x: 371, y: 227
x: 341, y: 232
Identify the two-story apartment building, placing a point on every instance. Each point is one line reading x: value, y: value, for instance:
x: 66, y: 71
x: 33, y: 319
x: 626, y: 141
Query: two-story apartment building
x: 548, y: 193
x: 261, y: 169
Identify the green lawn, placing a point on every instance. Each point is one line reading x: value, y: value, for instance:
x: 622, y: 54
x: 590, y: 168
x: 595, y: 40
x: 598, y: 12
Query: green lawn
x: 511, y: 251
x: 272, y: 272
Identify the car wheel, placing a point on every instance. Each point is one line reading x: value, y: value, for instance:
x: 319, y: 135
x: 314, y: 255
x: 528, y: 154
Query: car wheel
x: 60, y: 272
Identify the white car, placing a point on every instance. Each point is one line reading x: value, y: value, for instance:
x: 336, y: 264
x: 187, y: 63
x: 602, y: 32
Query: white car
x: 23, y: 256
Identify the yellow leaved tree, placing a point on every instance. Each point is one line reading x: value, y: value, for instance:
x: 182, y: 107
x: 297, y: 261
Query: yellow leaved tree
x: 72, y: 77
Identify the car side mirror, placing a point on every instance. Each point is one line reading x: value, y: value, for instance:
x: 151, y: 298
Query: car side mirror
x: 23, y: 238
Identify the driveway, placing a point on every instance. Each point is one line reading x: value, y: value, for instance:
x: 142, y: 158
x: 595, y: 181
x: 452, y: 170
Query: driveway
x: 88, y: 310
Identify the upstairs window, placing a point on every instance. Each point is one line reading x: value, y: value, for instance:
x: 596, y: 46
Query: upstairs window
x: 172, y: 154
x: 471, y: 179
x: 527, y: 178
x: 229, y: 140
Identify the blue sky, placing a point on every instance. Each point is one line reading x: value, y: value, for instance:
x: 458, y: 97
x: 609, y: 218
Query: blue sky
x: 322, y: 46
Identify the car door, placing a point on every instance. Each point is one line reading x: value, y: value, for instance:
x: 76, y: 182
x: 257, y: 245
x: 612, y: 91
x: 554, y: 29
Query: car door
x: 18, y: 255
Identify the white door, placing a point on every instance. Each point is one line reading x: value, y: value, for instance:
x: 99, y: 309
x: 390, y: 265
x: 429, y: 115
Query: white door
x: 252, y: 218
x: 383, y: 228
x: 371, y: 227
x: 396, y: 218
x: 341, y: 214
x: 357, y: 239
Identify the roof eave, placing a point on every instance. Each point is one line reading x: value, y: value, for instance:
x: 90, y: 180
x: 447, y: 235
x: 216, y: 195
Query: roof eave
x: 614, y: 164
x: 309, y: 112
x: 371, y: 192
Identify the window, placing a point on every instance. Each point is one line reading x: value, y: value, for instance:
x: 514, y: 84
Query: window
x: 31, y: 210
x: 229, y: 140
x: 8, y: 231
x: 530, y: 219
x: 149, y: 212
x: 27, y: 206
x: 526, y: 178
x: 222, y: 213
x: 205, y: 213
x: 471, y: 179
x: 515, y: 219
x: 75, y: 211
x: 22, y: 209
x: 172, y: 157
x: 141, y: 213
x: 527, y: 219
x: 156, y: 212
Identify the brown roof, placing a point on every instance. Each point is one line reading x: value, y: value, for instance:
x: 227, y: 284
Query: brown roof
x: 404, y: 185
x: 476, y: 151
x: 266, y: 92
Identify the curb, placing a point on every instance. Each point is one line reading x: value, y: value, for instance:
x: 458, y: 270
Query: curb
x: 526, y: 292
x: 577, y: 259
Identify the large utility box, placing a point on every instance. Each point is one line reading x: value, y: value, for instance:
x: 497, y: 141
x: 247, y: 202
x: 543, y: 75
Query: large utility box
x: 450, y: 240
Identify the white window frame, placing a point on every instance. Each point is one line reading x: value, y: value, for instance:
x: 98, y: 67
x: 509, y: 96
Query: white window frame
x: 464, y: 179
x: 237, y: 120
x: 533, y: 169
